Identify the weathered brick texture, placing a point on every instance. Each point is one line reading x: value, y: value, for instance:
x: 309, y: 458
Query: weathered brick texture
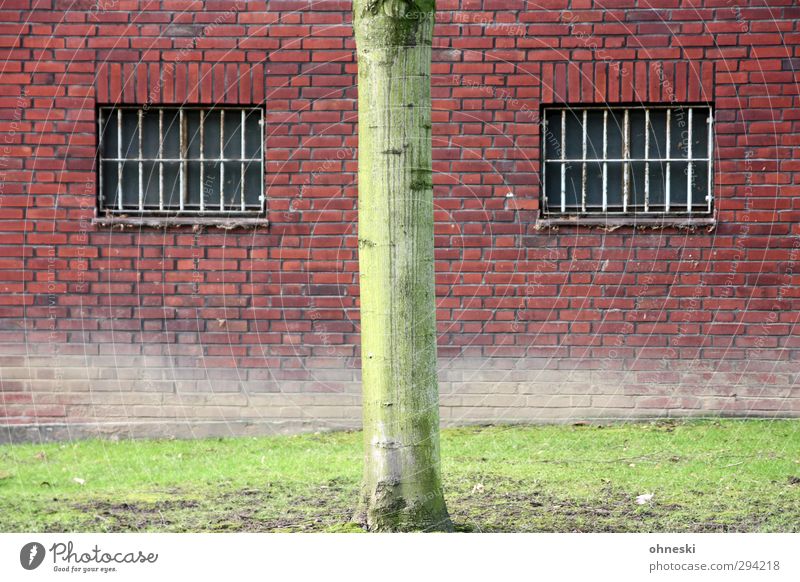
x: 209, y: 331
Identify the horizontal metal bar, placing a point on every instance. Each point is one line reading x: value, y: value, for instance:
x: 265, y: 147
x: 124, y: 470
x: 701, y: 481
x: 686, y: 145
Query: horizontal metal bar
x: 249, y: 209
x: 639, y: 211
x: 257, y: 160
x: 184, y: 107
x: 578, y: 160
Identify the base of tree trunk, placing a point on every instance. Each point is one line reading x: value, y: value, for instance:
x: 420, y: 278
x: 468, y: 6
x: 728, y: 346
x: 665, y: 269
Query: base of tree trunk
x: 378, y: 512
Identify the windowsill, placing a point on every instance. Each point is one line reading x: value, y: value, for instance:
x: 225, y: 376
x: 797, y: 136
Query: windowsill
x: 169, y: 221
x: 614, y: 222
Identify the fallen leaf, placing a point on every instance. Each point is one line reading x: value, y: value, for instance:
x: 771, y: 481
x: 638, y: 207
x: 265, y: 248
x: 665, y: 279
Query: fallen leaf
x: 643, y: 499
x: 79, y: 481
x: 41, y: 455
x: 478, y: 487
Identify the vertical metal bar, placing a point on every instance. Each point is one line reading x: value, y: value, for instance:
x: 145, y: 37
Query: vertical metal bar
x: 139, y: 114
x: 625, y: 164
x: 261, y: 123
x: 689, y: 165
x: 221, y: 156
x: 669, y: 154
x: 583, y: 165
x: 100, y: 145
x: 605, y: 163
x: 709, y: 195
x: 241, y: 181
x: 119, y: 159
x: 182, y: 134
x: 160, y: 158
x: 563, y: 157
x: 544, y: 163
x: 202, y: 161
x: 647, y: 160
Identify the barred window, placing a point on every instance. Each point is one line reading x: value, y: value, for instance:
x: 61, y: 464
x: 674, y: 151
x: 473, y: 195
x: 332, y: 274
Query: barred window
x: 180, y: 161
x: 645, y: 161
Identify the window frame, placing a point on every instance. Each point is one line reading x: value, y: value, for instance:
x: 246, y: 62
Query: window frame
x: 173, y: 216
x: 631, y: 217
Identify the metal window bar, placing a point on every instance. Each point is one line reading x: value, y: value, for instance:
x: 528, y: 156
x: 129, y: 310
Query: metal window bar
x: 709, y: 196
x: 689, y: 165
x: 241, y: 153
x: 182, y: 134
x: 605, y: 160
x: 119, y: 160
x: 139, y: 159
x: 202, y: 161
x: 625, y: 164
x: 139, y: 115
x: 221, y: 164
x: 647, y: 164
x: 563, y: 157
x: 160, y: 158
x: 100, y: 165
x: 583, y: 165
x: 544, y: 138
x: 666, y: 178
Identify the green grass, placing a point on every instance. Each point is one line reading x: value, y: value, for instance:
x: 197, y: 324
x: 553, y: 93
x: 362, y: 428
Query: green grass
x: 704, y: 476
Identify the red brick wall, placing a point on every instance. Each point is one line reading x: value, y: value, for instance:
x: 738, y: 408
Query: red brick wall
x: 198, y: 331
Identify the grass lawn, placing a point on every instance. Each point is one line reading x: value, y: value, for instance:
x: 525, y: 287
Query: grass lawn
x: 709, y: 476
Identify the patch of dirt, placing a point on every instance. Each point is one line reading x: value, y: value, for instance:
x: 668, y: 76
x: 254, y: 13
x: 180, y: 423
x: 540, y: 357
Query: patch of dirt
x: 483, y: 503
x: 272, y: 507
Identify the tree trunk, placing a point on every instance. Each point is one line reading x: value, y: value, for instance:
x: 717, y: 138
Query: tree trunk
x: 402, y: 488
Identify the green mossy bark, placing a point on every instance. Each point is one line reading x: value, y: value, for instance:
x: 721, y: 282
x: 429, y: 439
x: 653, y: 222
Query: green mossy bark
x: 402, y: 488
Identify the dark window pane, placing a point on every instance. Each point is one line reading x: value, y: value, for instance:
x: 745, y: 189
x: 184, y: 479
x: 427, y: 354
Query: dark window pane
x: 614, y: 184
x: 192, y: 119
x: 677, y: 183
x: 109, y: 135
x: 573, y: 186
x: 594, y: 142
x: 700, y: 133
x: 594, y: 185
x: 211, y: 185
x: 657, y: 185
x: 252, y: 144
x: 232, y: 185
x: 699, y: 185
x: 679, y: 130
x: 109, y: 185
x: 253, y: 178
x: 233, y: 134
x: 658, y: 133
x: 130, y: 134
x: 193, y: 187
x: 552, y: 135
x: 172, y: 134
x: 552, y: 186
x: 636, y: 185
x: 150, y: 184
x: 172, y: 185
x: 150, y: 135
x: 130, y: 185
x: 616, y: 126
x: 211, y: 134
x: 636, y: 118
x: 574, y: 131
